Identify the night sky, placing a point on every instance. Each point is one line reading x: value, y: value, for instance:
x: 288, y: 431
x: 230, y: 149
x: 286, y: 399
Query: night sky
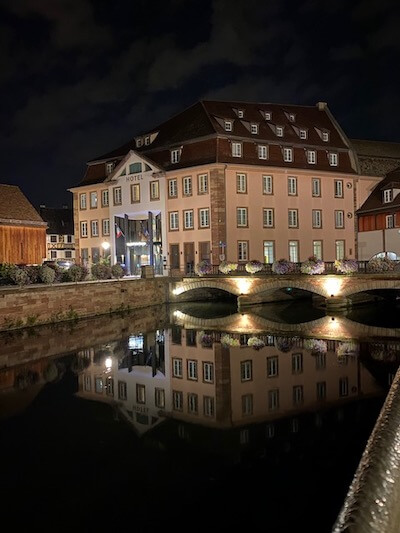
x: 80, y: 77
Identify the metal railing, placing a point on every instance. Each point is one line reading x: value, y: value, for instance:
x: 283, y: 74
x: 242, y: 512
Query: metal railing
x: 372, y: 504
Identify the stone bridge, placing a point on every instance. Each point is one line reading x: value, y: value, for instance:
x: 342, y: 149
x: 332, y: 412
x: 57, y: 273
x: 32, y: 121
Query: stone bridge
x: 336, y: 290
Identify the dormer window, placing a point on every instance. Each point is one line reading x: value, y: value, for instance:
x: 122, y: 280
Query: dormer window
x: 139, y: 142
x: 254, y: 129
x: 311, y: 157
x: 288, y: 155
x: 228, y: 125
x: 240, y: 113
x: 333, y: 159
x: 279, y: 131
x: 268, y: 115
x: 109, y: 167
x: 176, y: 155
x: 303, y: 134
x: 387, y: 196
x: 291, y: 117
x: 325, y: 136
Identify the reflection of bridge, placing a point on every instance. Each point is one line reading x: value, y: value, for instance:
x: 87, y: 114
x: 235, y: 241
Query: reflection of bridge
x: 327, y: 327
x: 337, y: 290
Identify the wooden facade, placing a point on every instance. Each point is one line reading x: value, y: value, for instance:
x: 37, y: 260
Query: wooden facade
x: 22, y: 244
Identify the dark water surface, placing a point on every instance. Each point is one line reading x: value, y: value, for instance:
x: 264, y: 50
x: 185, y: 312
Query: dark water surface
x: 151, y: 420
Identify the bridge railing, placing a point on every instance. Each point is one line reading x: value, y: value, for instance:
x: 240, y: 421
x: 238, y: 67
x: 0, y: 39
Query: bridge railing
x: 363, y: 267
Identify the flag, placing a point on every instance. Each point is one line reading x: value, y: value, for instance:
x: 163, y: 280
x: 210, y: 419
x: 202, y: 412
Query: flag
x: 118, y: 231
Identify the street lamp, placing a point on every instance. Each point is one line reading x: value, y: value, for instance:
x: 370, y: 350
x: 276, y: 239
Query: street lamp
x: 105, y: 245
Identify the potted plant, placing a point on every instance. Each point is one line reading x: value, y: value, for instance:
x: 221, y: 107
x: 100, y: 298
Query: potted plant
x: 312, y: 266
x: 253, y: 266
x: 226, y: 267
x: 256, y: 343
x: 346, y: 266
x: 203, y: 268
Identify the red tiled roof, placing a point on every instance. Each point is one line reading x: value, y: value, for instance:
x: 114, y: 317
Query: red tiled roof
x: 15, y: 207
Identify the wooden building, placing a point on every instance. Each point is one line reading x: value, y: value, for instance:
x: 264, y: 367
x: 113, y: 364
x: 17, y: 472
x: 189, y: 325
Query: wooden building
x: 22, y: 229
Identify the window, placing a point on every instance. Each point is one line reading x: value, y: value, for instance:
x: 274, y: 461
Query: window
x: 243, y: 250
x: 147, y: 140
x: 387, y: 196
x: 389, y: 221
x: 325, y: 136
x: 320, y: 361
x: 104, y: 198
x: 204, y: 218
x: 93, y: 200
x: 254, y: 129
x: 293, y: 218
x: 317, y: 218
x: 269, y: 256
x: 246, y: 370
x: 297, y: 363
x: 272, y: 366
x: 177, y: 371
x: 61, y: 238
x: 202, y: 180
x: 267, y: 185
x: 241, y: 217
x: 344, y: 386
x: 135, y: 193
x: 208, y: 372
x: 154, y: 190
x: 268, y: 115
x: 288, y: 155
x: 187, y: 186
x: 53, y: 238
x: 228, y: 125
x: 173, y: 221
x: 53, y: 254
x: 303, y: 134
x: 241, y: 183
x: 294, y: 251
x: 247, y: 404
x: 273, y: 399
x: 333, y: 159
x: 175, y: 156
x: 177, y: 400
x: 338, y: 188
x: 292, y: 186
x: 139, y: 143
x: 268, y: 218
x: 94, y: 228
x: 68, y: 254
x: 135, y: 168
x: 311, y: 157
x: 95, y: 254
x: 82, y: 201
x: 159, y: 398
x: 109, y: 168
x: 236, y: 149
x: 262, y: 152
x: 321, y: 390
x: 172, y: 188
x: 87, y: 383
x: 270, y: 431
x: 106, y: 226
x: 279, y: 131
x: 317, y: 249
x: 140, y: 393
x: 339, y: 219
x: 193, y: 403
x: 298, y: 395
x: 208, y: 406
x: 117, y: 192
x: 240, y: 113
x: 192, y: 369
x: 316, y: 187
x: 291, y: 117
x: 339, y: 247
x: 188, y: 219
x: 69, y: 238
x: 110, y: 386
x: 122, y: 390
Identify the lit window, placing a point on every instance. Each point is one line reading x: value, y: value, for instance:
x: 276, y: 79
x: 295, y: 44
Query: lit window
x: 262, y: 152
x: 339, y: 249
x: 294, y: 251
x: 236, y: 149
x: 269, y: 256
x: 154, y: 190
x: 288, y: 155
x: 135, y: 193
x: 93, y: 200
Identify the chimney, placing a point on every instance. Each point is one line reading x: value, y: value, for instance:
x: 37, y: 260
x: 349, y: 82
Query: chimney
x: 322, y: 106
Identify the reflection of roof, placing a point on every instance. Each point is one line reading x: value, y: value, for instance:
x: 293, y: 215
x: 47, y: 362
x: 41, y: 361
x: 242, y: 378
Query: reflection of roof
x: 375, y: 199
x: 60, y: 221
x: 15, y: 401
x: 16, y: 208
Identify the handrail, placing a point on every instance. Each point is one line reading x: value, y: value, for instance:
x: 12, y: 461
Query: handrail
x: 372, y: 504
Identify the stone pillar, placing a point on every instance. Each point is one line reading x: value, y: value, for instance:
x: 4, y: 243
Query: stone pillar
x: 218, y: 212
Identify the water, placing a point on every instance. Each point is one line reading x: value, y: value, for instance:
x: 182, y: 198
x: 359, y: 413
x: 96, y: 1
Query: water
x: 150, y: 419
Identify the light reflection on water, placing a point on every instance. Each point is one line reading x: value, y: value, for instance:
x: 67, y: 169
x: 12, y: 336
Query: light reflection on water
x: 208, y: 399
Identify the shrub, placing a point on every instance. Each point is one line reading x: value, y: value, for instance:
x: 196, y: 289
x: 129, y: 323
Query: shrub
x: 6, y: 270
x: 47, y: 274
x: 75, y: 273
x: 202, y: 268
x: 33, y: 273
x: 282, y: 266
x: 19, y: 276
x: 117, y: 271
x: 253, y: 266
x: 100, y: 271
x: 225, y: 267
x: 59, y: 272
x: 312, y: 266
x: 381, y: 264
x: 346, y: 266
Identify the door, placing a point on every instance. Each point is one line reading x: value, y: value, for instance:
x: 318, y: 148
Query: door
x: 174, y: 255
x: 188, y: 252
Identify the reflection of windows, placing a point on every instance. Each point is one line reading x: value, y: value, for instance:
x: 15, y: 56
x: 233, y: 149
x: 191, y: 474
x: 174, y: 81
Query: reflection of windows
x: 135, y: 342
x: 247, y: 404
x: 246, y: 371
x: 122, y: 390
x: 298, y: 395
x: 208, y: 405
x: 344, y: 386
x: 272, y: 366
x: 273, y: 399
x: 208, y: 372
x: 320, y: 361
x: 87, y: 383
x: 177, y: 367
x: 98, y: 385
x: 110, y: 386
x: 321, y: 390
x: 193, y: 403
x: 192, y: 369
x: 297, y: 363
x: 159, y: 398
x: 177, y: 400
x: 140, y: 393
